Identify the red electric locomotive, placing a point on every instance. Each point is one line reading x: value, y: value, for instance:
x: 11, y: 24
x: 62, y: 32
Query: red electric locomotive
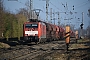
x: 34, y: 31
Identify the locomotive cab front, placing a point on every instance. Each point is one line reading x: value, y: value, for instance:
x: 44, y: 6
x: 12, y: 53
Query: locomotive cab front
x: 30, y: 32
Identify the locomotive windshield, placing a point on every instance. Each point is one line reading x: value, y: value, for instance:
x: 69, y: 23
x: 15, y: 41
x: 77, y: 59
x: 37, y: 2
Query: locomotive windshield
x: 31, y: 26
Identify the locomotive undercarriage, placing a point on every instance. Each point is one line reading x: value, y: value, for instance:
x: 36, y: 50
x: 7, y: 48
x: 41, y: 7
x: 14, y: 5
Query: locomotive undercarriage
x: 31, y: 39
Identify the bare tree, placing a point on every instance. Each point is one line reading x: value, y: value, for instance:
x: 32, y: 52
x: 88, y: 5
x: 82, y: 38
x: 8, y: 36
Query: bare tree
x: 1, y: 5
x: 24, y: 12
x: 1, y: 18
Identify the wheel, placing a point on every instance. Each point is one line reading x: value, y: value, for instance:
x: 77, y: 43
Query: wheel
x: 38, y: 41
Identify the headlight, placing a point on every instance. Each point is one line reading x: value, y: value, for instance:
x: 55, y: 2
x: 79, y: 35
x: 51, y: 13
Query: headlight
x: 26, y: 34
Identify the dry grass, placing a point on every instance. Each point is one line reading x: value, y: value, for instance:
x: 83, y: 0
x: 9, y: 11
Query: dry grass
x: 3, y: 45
x: 81, y: 44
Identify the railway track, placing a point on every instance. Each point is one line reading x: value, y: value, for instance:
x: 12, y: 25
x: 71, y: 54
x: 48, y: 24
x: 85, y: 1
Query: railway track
x: 22, y: 52
x: 40, y: 50
x: 31, y: 56
x: 25, y: 52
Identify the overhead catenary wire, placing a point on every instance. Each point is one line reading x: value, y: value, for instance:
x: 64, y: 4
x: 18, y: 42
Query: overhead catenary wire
x: 82, y: 5
x: 78, y: 5
x: 27, y: 5
x: 42, y: 10
x: 55, y: 6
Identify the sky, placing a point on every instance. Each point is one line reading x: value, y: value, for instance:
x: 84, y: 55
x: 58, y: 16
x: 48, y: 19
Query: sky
x: 57, y: 6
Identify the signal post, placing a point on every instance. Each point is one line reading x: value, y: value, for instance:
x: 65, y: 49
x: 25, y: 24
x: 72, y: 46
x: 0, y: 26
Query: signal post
x: 67, y: 33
